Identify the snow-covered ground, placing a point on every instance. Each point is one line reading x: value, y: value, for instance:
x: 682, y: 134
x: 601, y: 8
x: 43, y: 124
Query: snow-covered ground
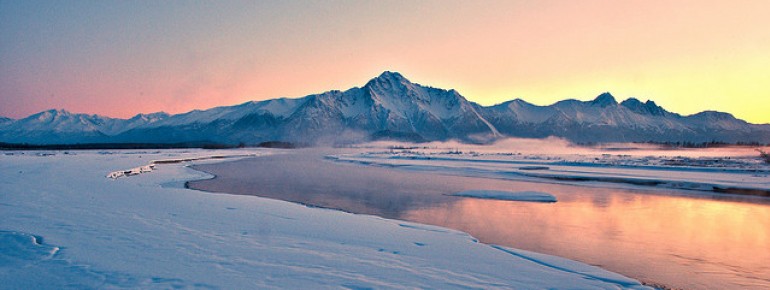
x: 64, y: 224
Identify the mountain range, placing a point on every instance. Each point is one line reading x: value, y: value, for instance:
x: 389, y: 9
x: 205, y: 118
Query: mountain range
x: 389, y: 107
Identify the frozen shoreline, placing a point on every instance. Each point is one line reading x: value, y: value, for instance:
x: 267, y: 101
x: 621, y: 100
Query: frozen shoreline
x: 531, y: 196
x: 740, y: 181
x: 139, y: 232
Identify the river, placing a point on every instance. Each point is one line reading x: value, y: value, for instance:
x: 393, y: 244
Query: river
x: 681, y: 241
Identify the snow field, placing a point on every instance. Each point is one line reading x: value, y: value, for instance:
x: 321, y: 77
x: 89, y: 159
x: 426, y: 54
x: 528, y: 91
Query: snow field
x: 63, y: 224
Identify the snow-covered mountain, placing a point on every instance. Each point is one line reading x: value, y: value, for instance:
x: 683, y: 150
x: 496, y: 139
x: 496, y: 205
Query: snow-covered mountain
x: 390, y: 107
x: 604, y: 120
x: 63, y: 127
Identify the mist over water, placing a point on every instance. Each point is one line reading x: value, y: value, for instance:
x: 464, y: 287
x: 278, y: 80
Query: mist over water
x: 561, y: 146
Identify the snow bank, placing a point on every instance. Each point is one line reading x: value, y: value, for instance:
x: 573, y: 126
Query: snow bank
x: 737, y: 179
x: 150, y: 167
x: 555, y: 146
x: 508, y: 195
x: 131, y: 172
x: 63, y: 225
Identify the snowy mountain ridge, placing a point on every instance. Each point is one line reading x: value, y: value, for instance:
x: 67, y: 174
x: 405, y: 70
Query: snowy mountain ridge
x: 389, y: 107
x: 62, y: 127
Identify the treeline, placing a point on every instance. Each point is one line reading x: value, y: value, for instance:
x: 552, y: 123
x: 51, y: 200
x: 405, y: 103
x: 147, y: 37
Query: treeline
x: 281, y: 145
x: 86, y: 146
x: 687, y: 144
x: 181, y: 145
x: 710, y: 144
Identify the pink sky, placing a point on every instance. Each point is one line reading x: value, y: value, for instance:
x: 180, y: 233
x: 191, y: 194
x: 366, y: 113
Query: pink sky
x: 123, y: 58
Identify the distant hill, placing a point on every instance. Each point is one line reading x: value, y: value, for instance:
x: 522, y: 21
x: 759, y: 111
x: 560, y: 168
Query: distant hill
x: 389, y: 107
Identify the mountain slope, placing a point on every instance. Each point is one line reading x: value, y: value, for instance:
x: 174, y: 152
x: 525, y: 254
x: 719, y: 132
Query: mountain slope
x: 63, y: 127
x: 390, y: 107
x: 247, y: 122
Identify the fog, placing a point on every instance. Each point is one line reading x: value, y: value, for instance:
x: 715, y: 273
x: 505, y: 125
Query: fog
x: 561, y: 146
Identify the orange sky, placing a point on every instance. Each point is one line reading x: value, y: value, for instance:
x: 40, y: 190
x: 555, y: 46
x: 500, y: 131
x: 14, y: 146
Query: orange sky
x: 122, y: 58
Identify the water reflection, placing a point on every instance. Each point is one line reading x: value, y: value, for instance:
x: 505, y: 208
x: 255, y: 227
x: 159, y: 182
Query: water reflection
x: 681, y: 241
x: 310, y: 180
x: 685, y: 242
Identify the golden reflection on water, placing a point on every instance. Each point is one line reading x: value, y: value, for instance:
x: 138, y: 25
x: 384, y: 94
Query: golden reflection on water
x: 726, y: 239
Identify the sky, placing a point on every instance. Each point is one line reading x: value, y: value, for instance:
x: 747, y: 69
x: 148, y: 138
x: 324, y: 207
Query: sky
x: 120, y: 58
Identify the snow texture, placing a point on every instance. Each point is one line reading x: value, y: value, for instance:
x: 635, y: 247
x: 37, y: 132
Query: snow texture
x: 535, y: 196
x: 64, y: 225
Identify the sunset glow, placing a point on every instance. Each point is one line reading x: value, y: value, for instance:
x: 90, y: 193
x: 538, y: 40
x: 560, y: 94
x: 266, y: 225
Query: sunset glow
x: 120, y: 58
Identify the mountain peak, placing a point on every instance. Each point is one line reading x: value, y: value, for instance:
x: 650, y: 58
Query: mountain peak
x: 389, y: 77
x: 714, y: 115
x: 648, y: 108
x: 151, y: 116
x: 653, y: 108
x: 389, y: 83
x: 632, y: 103
x: 57, y: 112
x: 604, y: 100
x: 517, y: 102
x: 52, y: 113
